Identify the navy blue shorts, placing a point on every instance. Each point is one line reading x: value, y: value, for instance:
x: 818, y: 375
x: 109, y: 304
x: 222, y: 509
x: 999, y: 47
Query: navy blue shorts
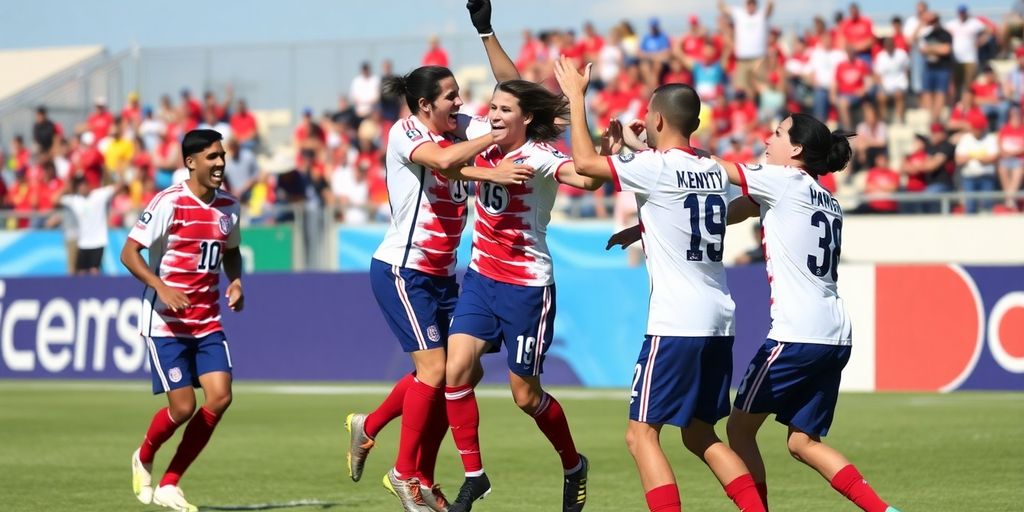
x: 178, y: 362
x: 677, y: 379
x: 935, y: 80
x: 521, y: 317
x: 417, y: 306
x: 799, y: 382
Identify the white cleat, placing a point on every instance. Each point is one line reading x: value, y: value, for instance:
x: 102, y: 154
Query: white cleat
x: 142, y: 479
x: 170, y: 496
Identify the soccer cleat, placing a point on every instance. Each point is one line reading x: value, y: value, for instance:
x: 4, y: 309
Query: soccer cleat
x: 359, y: 445
x: 474, y: 488
x: 408, y: 492
x: 574, y: 489
x: 434, y: 498
x: 170, y: 496
x: 142, y: 479
x: 892, y: 509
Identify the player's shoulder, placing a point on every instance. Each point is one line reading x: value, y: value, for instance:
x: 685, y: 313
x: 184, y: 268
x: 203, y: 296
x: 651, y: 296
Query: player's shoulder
x: 409, y: 128
x: 167, y: 198
x: 776, y: 171
x: 225, y: 199
x: 543, y: 149
x: 639, y: 156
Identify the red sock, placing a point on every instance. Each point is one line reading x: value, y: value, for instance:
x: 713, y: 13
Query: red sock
x: 419, y: 401
x: 762, y: 491
x: 160, y: 430
x: 743, y: 492
x: 464, y: 417
x: 197, y: 434
x: 551, y: 420
x: 849, y: 482
x: 437, y: 428
x: 389, y: 409
x: 664, y: 499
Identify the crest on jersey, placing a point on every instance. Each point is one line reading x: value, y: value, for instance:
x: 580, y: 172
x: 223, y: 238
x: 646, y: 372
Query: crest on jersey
x: 754, y: 167
x: 627, y: 157
x: 145, y: 218
x: 225, y: 224
x: 174, y: 374
x: 433, y: 333
x: 413, y: 134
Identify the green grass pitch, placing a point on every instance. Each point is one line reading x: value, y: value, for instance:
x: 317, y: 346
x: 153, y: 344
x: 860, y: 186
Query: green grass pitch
x: 66, y: 446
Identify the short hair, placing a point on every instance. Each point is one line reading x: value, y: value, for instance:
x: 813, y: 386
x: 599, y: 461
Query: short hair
x: 196, y: 141
x: 679, y: 104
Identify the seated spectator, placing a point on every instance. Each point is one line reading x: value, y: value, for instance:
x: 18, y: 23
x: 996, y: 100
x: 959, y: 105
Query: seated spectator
x: 20, y: 155
x: 977, y: 152
x: 351, y: 193
x: 913, y: 167
x: 892, y: 67
x: 243, y: 126
x: 708, y: 74
x: 850, y: 86
x: 1011, y: 154
x: 881, y: 179
x: 964, y: 115
x: 240, y: 169
x: 935, y: 169
x: 872, y: 138
x: 989, y: 98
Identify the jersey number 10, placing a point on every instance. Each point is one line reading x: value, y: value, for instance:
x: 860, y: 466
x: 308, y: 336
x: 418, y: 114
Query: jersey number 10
x: 714, y: 221
x: 210, y: 257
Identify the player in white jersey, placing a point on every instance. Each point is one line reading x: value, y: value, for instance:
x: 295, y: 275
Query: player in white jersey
x: 413, y: 270
x: 508, y: 293
x: 796, y: 373
x: 190, y: 230
x: 685, y: 366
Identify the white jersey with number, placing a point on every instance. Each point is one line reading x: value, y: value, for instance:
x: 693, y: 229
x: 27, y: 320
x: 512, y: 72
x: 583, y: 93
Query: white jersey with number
x: 428, y: 211
x: 682, y: 206
x: 510, y: 233
x: 803, y: 229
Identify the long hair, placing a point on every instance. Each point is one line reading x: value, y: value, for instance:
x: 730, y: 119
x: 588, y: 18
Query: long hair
x: 546, y: 107
x: 823, y: 151
x: 422, y: 82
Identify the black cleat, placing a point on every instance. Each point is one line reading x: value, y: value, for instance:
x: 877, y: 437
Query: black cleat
x: 574, y: 489
x: 474, y: 488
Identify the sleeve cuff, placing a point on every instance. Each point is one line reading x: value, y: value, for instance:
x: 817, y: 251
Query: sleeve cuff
x: 743, y: 182
x: 615, y: 175
x: 417, y: 146
x: 559, y: 168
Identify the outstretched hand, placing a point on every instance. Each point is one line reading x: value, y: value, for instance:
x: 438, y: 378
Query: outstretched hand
x: 635, y: 135
x: 611, y: 139
x: 480, y: 14
x: 573, y: 83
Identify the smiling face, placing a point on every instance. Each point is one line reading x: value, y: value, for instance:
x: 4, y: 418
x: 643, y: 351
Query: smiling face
x: 206, y: 167
x: 441, y: 115
x: 508, y: 122
x: 779, y: 149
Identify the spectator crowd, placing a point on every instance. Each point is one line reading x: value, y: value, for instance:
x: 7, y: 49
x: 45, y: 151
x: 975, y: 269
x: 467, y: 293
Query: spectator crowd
x: 935, y: 102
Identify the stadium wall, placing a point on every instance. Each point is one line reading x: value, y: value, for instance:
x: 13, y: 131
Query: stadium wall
x: 923, y: 327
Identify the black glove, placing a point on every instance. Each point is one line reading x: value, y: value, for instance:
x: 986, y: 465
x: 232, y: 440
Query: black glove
x: 480, y: 13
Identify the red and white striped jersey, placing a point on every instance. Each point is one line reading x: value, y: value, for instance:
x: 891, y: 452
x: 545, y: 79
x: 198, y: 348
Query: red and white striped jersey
x: 186, y: 239
x: 428, y: 211
x: 509, y: 235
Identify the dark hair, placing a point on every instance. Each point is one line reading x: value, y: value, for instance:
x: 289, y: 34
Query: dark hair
x: 679, y: 104
x: 196, y: 141
x: 545, y: 106
x: 422, y: 82
x: 823, y: 151
x: 41, y: 109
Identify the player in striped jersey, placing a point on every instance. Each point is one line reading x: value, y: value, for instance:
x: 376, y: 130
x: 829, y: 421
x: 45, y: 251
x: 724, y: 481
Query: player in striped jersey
x: 508, y: 294
x: 413, y: 270
x: 191, y: 230
x: 796, y: 373
x: 684, y: 369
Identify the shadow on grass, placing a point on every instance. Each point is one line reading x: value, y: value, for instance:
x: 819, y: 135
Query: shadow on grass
x: 314, y: 504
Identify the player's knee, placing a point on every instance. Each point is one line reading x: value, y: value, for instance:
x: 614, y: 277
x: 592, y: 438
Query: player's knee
x: 181, y: 412
x: 431, y: 373
x: 697, y: 441
x: 798, y: 444
x: 219, y: 403
x: 455, y: 374
x: 736, y: 431
x: 527, y: 400
x: 637, y: 435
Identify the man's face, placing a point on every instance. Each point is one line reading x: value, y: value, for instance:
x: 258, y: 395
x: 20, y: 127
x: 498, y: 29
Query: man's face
x: 207, y: 166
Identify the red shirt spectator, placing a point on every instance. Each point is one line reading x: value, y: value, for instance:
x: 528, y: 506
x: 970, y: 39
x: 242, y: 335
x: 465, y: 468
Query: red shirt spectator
x: 591, y: 44
x: 100, y: 122
x: 916, y: 182
x: 1011, y: 139
x: 738, y: 153
x: 851, y: 76
x: 828, y: 182
x: 857, y: 32
x: 132, y: 112
x: 967, y: 117
x: 532, y: 51
x: 880, y: 180
x: 692, y: 46
x: 987, y: 92
x: 435, y: 56
x: 742, y: 114
x: 243, y: 126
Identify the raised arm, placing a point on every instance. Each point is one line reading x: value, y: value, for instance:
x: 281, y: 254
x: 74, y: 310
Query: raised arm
x: 501, y: 64
x: 574, y: 85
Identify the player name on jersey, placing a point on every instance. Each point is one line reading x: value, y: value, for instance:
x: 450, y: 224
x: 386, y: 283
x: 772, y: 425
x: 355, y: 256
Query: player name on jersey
x: 822, y: 198
x: 700, y: 180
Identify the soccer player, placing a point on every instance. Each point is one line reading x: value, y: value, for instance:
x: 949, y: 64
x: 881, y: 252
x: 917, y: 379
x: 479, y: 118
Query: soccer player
x: 684, y: 369
x: 413, y: 271
x: 508, y: 293
x: 796, y: 373
x: 190, y: 230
